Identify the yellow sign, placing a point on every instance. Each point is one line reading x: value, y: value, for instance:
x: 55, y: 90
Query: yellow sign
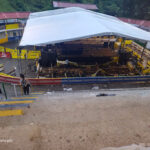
x: 2, y: 49
x: 12, y: 26
x: 24, y: 54
x: 34, y: 54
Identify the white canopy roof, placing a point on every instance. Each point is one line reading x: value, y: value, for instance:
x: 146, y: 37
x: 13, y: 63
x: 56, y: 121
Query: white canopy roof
x: 74, y: 23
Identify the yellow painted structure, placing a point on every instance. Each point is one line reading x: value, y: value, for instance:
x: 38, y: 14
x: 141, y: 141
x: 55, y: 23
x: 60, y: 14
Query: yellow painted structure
x: 117, y: 45
x: 4, y: 40
x: 5, y: 75
x: 23, y: 97
x: 12, y: 26
x: 146, y: 71
x: 16, y: 102
x: 136, y: 54
x: 148, y: 63
x: 115, y: 59
x: 2, y: 49
x: 128, y: 42
x: 128, y: 49
x: 130, y: 65
x: 105, y: 37
x: 15, y: 54
x: 34, y: 54
x: 16, y: 112
x: 140, y: 65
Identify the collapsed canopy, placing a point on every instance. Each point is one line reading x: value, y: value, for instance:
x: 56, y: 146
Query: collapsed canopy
x: 69, y: 24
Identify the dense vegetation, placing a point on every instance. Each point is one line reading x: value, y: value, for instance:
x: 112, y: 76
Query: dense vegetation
x: 139, y: 9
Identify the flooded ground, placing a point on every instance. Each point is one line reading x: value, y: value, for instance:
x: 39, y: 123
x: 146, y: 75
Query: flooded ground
x: 78, y: 120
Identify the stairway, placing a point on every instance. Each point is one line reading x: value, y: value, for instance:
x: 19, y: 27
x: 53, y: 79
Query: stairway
x: 12, y: 106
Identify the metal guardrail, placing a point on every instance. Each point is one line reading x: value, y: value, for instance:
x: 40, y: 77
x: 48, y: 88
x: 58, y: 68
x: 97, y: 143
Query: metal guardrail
x: 94, y: 80
x: 33, y: 81
x: 14, y: 38
x: 10, y: 85
x: 76, y: 80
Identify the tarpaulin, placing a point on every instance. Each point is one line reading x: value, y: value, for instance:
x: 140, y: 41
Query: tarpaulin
x: 61, y: 25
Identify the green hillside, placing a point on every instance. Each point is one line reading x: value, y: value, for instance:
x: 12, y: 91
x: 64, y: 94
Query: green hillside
x: 25, y: 5
x: 125, y: 8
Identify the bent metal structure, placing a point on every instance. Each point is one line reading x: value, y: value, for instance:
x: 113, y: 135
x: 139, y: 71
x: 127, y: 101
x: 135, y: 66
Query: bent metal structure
x: 70, y: 24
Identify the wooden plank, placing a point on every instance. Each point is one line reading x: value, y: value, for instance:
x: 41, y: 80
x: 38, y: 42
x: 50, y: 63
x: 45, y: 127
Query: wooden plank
x: 16, y: 112
x: 15, y: 102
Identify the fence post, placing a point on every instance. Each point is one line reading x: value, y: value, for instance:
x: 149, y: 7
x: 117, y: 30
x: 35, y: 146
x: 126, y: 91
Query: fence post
x: 15, y: 89
x: 4, y: 90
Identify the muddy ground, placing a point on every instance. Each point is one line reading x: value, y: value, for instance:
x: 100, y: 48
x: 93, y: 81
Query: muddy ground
x: 80, y: 121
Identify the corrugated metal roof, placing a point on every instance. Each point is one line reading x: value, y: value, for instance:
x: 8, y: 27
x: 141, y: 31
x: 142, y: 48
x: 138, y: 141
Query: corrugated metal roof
x: 14, y: 15
x: 57, y: 4
x: 143, y: 23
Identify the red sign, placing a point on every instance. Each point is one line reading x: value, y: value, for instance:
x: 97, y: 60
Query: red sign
x: 5, y: 55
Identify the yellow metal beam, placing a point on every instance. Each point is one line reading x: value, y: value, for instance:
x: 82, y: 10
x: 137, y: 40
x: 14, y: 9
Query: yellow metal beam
x: 11, y: 112
x: 16, y: 102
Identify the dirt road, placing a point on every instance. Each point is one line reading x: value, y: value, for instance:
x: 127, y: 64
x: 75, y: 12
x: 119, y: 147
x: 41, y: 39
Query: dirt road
x: 80, y: 121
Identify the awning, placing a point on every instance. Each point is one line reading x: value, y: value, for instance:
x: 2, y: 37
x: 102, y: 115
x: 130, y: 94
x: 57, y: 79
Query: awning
x: 61, y: 25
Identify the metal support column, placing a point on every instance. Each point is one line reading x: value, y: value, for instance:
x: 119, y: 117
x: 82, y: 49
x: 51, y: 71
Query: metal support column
x: 143, y: 51
x: 3, y: 86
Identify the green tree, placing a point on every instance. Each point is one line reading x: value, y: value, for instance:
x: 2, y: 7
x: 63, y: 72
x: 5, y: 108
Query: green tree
x: 138, y: 9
